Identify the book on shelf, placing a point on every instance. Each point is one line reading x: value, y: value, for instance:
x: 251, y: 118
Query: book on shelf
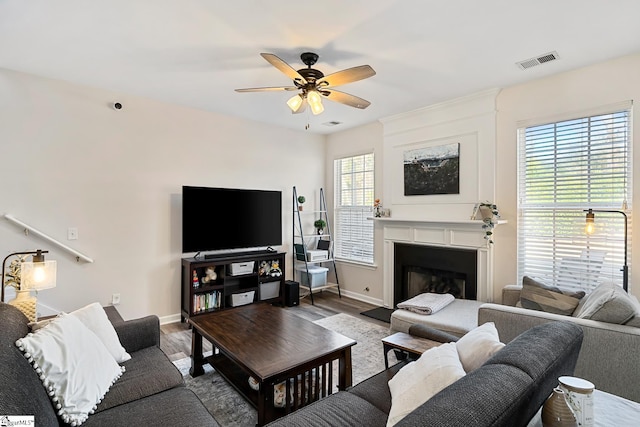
x: 206, y: 301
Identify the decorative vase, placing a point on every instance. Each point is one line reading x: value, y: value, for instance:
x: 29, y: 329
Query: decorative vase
x: 320, y: 231
x: 486, y: 213
x: 300, y: 207
x: 556, y: 412
x: 579, y: 396
x: 26, y: 303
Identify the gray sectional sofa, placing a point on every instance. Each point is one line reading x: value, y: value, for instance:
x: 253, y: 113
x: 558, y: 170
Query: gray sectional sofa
x: 506, y: 391
x: 610, y: 354
x: 150, y: 392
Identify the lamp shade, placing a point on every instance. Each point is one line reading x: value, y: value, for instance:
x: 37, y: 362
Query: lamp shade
x: 590, y: 227
x: 315, y: 102
x: 38, y: 275
x: 295, y: 102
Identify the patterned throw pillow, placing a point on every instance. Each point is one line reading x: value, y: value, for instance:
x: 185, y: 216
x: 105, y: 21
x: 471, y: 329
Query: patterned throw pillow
x: 536, y: 295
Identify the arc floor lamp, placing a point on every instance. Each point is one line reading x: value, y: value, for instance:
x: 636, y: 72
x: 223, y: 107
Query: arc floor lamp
x: 590, y: 228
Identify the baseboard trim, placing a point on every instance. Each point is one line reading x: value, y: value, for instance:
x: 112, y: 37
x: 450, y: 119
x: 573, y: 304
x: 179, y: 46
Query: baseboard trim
x: 357, y: 296
x: 172, y: 318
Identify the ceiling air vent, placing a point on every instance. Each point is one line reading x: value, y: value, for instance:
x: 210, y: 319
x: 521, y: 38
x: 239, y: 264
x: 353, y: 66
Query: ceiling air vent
x: 541, y: 59
x: 332, y: 123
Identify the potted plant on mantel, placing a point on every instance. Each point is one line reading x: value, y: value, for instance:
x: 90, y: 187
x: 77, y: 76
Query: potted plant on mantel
x: 320, y: 224
x: 490, y: 215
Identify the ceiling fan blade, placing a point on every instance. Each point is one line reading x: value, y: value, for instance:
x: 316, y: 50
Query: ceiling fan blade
x: 346, y: 76
x: 267, y: 89
x: 345, y: 98
x: 284, y: 67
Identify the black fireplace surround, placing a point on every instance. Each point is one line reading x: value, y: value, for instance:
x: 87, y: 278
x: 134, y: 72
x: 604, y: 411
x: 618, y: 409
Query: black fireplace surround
x: 462, y: 262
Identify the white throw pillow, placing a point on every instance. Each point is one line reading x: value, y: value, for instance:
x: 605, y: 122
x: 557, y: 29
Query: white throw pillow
x: 94, y: 317
x: 73, y: 364
x: 418, y: 381
x: 478, y: 345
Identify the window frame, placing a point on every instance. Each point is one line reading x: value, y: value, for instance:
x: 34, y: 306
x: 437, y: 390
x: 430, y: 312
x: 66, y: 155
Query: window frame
x: 576, y: 261
x: 359, y: 239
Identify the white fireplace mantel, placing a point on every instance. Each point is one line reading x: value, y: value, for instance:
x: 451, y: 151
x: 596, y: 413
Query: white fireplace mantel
x: 464, y: 234
x: 471, y: 223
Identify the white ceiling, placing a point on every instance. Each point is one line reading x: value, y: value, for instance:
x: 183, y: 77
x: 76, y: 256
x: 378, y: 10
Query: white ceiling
x: 196, y: 52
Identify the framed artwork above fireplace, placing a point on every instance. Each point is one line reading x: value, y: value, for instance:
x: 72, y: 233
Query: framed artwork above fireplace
x: 432, y: 170
x: 438, y: 171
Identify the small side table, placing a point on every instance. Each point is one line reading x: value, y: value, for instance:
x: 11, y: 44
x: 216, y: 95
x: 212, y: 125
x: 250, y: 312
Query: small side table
x: 413, y: 346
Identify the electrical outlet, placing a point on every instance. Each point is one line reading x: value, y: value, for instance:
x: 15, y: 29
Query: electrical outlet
x: 115, y: 299
x: 72, y: 233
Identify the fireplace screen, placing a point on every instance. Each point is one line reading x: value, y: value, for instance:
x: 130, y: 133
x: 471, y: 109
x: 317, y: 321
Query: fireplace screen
x: 418, y: 269
x: 421, y: 280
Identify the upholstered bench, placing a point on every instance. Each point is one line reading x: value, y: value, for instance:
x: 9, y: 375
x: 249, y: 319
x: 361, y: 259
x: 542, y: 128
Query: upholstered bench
x: 457, y: 318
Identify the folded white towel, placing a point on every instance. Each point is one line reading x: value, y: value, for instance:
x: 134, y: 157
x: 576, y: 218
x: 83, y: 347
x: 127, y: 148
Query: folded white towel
x: 427, y: 303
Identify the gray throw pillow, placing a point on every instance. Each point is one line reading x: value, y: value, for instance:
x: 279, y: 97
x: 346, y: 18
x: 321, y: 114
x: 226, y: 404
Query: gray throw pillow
x: 536, y: 295
x: 607, y: 303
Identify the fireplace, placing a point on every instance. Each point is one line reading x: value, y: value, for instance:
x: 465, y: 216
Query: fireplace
x: 420, y: 268
x: 448, y: 243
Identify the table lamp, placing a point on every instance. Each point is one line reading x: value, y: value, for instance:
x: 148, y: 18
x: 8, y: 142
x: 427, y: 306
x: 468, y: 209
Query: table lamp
x: 33, y: 276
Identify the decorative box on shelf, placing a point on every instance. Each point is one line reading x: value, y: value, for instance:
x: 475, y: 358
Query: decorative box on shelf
x: 240, y: 268
x: 269, y: 290
x: 242, y: 298
x: 318, y: 276
x: 317, y: 255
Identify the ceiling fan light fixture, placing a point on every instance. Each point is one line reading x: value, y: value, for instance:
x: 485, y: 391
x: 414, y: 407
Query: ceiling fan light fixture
x: 295, y: 102
x: 312, y: 84
x: 315, y: 102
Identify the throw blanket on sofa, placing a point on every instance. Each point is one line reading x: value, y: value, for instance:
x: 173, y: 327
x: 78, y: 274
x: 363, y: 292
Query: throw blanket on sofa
x: 427, y: 303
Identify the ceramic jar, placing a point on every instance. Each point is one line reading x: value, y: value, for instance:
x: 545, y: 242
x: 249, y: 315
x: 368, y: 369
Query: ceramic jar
x: 556, y: 411
x: 579, y: 395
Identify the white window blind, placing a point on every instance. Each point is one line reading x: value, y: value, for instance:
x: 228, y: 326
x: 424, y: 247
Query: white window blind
x: 354, y: 196
x: 564, y: 168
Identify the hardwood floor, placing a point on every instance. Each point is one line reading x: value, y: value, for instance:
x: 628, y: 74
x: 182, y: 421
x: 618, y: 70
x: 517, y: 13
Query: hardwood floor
x: 175, y: 338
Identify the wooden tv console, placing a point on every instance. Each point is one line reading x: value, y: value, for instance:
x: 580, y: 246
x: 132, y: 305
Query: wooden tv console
x: 262, y: 283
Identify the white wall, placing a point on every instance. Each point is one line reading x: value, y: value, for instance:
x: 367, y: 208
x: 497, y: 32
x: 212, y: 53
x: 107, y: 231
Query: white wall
x: 69, y: 160
x: 468, y: 121
x: 355, y: 278
x: 573, y: 93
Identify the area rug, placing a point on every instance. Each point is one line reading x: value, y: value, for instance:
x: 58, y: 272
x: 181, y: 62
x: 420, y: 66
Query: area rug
x: 379, y: 313
x: 231, y: 410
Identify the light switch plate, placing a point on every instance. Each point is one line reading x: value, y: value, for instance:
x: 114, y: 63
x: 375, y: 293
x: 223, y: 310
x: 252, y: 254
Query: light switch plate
x: 72, y: 233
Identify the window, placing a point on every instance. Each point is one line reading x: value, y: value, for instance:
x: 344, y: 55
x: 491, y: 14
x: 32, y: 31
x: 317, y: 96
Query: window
x: 354, y: 196
x: 564, y: 168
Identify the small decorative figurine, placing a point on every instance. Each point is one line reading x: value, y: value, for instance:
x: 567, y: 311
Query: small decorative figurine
x: 275, y: 269
x: 210, y: 275
x: 196, y: 281
x: 377, y: 207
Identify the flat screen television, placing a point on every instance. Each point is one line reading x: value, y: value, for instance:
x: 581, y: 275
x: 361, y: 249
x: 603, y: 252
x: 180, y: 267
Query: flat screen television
x: 230, y: 218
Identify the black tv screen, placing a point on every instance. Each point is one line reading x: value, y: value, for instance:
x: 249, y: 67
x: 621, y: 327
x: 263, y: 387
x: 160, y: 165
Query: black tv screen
x: 229, y: 218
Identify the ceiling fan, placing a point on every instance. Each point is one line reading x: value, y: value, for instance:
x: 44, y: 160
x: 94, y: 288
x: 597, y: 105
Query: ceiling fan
x: 312, y: 84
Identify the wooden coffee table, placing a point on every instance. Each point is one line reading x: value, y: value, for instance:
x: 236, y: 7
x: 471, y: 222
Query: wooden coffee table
x: 271, y: 345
